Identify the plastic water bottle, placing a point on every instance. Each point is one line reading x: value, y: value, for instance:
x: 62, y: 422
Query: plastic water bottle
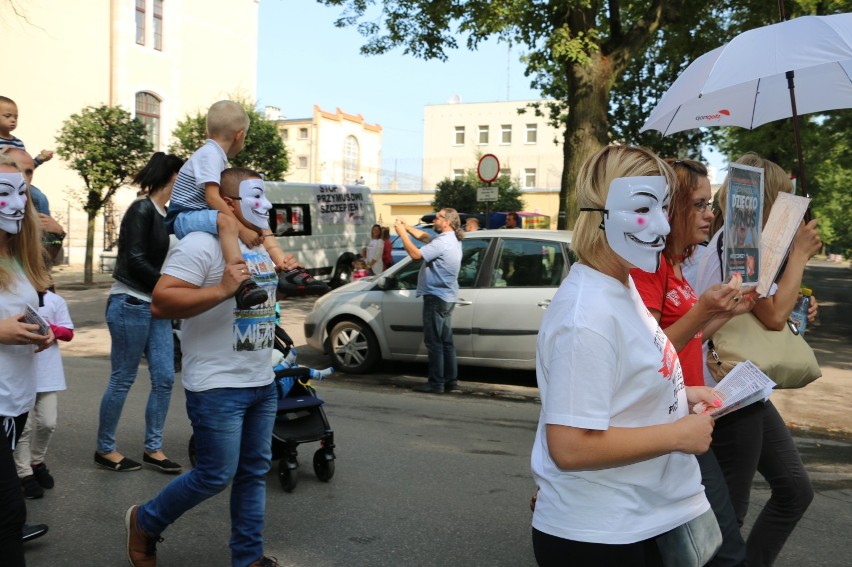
x: 799, y: 316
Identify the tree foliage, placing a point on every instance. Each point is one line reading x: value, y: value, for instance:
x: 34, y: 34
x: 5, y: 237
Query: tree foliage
x: 575, y: 52
x: 264, y: 150
x: 106, y: 146
x: 460, y: 194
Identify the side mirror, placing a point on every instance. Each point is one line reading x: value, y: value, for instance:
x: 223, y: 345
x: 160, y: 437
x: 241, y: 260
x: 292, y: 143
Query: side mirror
x: 386, y: 282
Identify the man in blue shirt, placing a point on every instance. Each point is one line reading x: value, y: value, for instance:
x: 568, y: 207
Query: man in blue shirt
x: 438, y: 285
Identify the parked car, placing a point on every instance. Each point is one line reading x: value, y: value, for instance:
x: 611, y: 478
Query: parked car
x: 507, y: 280
x: 398, y: 250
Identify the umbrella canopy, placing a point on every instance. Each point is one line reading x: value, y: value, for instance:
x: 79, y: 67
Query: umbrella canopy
x: 745, y: 82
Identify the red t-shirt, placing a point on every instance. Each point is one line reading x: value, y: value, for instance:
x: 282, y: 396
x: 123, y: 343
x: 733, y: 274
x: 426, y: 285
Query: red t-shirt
x: 679, y: 299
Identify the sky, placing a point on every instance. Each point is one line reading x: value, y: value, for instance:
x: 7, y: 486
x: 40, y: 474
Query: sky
x: 322, y: 65
x: 303, y: 59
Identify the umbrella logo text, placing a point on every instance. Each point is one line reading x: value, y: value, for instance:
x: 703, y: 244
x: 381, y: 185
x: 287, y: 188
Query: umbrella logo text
x: 717, y: 116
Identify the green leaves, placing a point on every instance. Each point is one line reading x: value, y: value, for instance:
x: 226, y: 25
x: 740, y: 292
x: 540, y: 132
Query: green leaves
x: 460, y: 194
x: 264, y: 150
x: 106, y: 146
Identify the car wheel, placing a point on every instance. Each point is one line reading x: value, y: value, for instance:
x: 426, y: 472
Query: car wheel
x: 353, y: 347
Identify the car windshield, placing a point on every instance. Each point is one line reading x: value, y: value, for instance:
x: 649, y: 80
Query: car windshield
x: 396, y: 240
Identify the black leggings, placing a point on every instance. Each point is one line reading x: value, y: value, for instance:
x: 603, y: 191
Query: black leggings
x: 13, y: 510
x: 552, y: 551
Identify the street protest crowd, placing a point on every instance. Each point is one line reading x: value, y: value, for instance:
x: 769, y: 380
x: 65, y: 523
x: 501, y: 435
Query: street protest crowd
x: 629, y: 466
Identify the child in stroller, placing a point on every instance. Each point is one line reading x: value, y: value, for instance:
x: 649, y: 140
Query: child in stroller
x: 300, y: 417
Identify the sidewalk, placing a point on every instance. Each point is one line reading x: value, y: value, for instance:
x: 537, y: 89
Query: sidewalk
x: 822, y: 407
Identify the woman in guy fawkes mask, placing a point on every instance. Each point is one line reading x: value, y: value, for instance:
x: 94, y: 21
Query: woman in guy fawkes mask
x: 613, y: 450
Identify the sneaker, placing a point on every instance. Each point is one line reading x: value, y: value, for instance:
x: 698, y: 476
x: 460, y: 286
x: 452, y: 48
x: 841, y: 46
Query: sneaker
x: 31, y: 487
x: 141, y: 547
x: 162, y: 465
x: 266, y: 562
x: 42, y: 475
x: 299, y: 282
x: 451, y: 386
x: 123, y: 465
x: 249, y: 295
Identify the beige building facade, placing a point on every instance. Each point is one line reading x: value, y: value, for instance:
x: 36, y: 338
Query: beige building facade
x: 158, y: 59
x: 331, y: 147
x: 455, y: 135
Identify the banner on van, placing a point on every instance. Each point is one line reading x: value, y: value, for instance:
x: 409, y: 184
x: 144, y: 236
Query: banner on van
x: 339, y: 204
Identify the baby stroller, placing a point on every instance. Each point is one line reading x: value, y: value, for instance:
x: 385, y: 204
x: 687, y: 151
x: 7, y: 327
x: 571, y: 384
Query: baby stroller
x: 300, y: 417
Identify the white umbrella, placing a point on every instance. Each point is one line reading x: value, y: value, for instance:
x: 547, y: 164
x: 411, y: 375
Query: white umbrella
x: 750, y: 80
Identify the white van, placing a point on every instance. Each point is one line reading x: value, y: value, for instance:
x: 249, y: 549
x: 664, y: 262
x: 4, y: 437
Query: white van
x: 319, y: 223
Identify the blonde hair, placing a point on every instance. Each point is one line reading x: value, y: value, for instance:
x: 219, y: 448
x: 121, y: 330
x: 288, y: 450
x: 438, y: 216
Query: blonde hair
x: 225, y: 118
x: 775, y: 181
x: 25, y: 247
x: 593, y: 180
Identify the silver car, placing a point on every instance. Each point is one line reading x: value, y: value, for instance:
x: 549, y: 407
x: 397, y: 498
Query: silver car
x: 507, y: 280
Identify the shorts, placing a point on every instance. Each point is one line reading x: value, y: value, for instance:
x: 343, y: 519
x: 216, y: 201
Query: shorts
x: 203, y: 220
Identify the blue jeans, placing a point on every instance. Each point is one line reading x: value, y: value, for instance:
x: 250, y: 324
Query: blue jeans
x: 134, y: 331
x: 233, y: 441
x: 438, y: 337
x: 202, y: 220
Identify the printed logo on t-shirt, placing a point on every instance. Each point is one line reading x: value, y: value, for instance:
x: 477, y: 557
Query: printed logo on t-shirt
x: 254, y: 329
x: 670, y: 364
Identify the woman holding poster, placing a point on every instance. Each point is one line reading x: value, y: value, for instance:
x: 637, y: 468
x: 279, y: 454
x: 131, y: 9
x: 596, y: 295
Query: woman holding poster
x: 755, y: 438
x: 684, y: 317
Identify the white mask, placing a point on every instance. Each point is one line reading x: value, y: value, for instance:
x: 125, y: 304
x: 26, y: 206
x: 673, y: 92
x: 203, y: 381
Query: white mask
x: 254, y: 204
x: 636, y: 221
x: 13, y: 201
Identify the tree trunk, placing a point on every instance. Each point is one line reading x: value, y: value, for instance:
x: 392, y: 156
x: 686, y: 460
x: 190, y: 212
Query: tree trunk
x: 586, y: 131
x: 88, y: 277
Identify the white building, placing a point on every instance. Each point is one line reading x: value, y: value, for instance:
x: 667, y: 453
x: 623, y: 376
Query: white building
x: 158, y: 59
x: 456, y: 134
x: 331, y: 147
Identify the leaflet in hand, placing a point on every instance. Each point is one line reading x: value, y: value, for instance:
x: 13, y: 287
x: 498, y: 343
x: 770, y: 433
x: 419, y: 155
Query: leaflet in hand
x: 32, y: 317
x: 784, y: 219
x: 742, y: 386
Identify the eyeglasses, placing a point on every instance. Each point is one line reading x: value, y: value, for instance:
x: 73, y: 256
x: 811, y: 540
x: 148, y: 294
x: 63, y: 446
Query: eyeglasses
x: 701, y: 206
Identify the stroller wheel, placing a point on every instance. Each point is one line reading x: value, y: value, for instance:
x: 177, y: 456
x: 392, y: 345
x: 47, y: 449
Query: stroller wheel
x: 191, y: 450
x: 288, y: 474
x: 324, y: 465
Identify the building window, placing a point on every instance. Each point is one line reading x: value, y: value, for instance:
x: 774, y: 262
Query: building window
x: 532, y: 133
x: 458, y: 174
x: 459, y: 139
x: 483, y: 135
x: 506, y: 172
x: 529, y: 177
x: 303, y: 133
x: 285, y: 134
x: 158, y: 25
x: 148, y: 113
x: 506, y: 134
x: 351, y: 159
x: 303, y: 162
x: 140, y: 22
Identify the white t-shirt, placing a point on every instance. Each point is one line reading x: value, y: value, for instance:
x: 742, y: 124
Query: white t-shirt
x: 17, y: 362
x: 224, y: 347
x: 375, y: 249
x: 49, y: 370
x: 708, y: 274
x: 603, y: 361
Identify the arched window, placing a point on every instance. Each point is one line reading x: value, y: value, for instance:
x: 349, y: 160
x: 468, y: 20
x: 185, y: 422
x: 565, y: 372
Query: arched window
x: 351, y: 159
x: 148, y: 113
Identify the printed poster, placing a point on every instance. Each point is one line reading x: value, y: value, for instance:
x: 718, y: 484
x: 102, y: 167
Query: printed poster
x: 743, y: 220
x: 341, y: 204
